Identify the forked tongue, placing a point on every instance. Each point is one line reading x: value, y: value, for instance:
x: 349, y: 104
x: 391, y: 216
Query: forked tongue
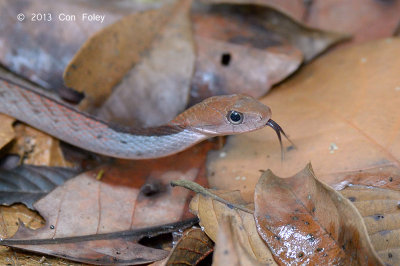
x: 278, y: 131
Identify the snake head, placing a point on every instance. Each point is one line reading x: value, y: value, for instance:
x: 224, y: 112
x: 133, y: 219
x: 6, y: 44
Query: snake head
x: 225, y: 115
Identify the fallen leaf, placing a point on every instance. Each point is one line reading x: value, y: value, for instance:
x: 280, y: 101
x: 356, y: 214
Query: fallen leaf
x: 6, y: 130
x: 27, y: 183
x: 366, y: 21
x: 211, y: 213
x: 38, y: 49
x: 341, y: 111
x: 192, y: 248
x: 137, y: 192
x: 236, y: 54
x: 10, y: 217
x: 303, y: 220
x: 228, y: 250
x: 141, y: 48
x: 37, y: 148
x: 350, y: 17
x: 380, y: 209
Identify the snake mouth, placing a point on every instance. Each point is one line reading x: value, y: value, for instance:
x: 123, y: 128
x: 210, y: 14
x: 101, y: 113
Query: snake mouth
x: 271, y: 123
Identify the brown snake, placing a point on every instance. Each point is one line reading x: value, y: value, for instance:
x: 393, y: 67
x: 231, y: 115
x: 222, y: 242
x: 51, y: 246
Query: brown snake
x: 215, y: 116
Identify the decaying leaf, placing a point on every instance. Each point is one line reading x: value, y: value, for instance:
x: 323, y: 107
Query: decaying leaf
x: 141, y: 48
x: 6, y: 130
x: 40, y: 47
x: 27, y: 183
x: 228, y: 248
x: 192, y: 248
x: 380, y: 208
x: 305, y: 221
x: 341, y: 111
x: 211, y: 213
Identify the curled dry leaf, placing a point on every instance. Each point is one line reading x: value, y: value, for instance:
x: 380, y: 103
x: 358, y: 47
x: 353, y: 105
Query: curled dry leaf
x: 141, y: 48
x: 6, y: 130
x: 40, y: 50
x: 305, y: 221
x: 211, y: 213
x: 228, y: 248
x: 341, y: 111
x: 192, y: 248
x: 380, y: 208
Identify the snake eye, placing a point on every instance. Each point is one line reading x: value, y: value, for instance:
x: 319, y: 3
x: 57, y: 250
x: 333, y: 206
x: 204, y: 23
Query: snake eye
x: 235, y: 117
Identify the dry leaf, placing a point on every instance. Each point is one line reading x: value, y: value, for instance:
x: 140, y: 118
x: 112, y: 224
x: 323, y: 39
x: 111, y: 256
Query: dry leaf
x: 305, y: 221
x: 192, y: 248
x: 228, y: 248
x: 366, y: 21
x: 137, y: 192
x: 341, y: 111
x: 27, y: 183
x: 40, y: 50
x: 10, y: 217
x: 380, y: 209
x: 141, y: 48
x: 6, y: 130
x: 211, y: 213
x: 37, y: 148
x: 236, y: 54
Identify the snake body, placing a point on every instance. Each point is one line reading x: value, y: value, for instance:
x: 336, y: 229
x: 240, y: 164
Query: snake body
x: 215, y: 116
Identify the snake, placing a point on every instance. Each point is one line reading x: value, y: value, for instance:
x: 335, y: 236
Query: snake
x: 214, y: 116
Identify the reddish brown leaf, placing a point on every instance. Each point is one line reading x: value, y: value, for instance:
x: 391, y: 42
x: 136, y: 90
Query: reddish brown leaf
x: 193, y: 247
x: 305, y: 221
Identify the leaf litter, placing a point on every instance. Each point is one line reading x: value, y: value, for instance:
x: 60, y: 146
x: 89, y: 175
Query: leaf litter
x: 380, y: 219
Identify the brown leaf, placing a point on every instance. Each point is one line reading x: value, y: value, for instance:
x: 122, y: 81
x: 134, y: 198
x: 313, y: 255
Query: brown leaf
x: 236, y: 54
x: 141, y: 48
x: 40, y: 50
x: 192, y: 248
x: 380, y: 208
x: 305, y: 221
x: 10, y: 217
x: 228, y: 248
x: 38, y: 148
x: 211, y: 213
x: 341, y: 111
x: 6, y: 130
